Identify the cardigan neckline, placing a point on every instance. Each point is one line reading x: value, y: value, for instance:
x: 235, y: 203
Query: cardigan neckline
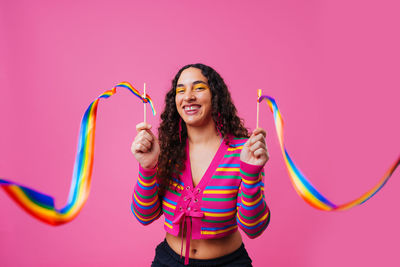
x: 187, y: 175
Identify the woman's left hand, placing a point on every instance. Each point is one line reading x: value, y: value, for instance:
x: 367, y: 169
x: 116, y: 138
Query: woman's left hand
x: 255, y: 149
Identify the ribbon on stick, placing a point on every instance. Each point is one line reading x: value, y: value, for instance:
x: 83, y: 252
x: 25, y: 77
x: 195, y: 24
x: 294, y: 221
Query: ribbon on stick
x: 303, y: 186
x: 41, y: 206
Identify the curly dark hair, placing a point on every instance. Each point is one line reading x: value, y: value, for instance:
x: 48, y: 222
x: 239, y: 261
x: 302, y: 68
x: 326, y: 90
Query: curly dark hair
x: 172, y: 144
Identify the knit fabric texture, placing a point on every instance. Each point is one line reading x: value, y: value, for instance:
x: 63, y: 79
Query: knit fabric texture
x: 229, y: 195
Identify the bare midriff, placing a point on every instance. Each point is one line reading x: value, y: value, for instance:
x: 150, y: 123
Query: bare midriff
x: 206, y: 248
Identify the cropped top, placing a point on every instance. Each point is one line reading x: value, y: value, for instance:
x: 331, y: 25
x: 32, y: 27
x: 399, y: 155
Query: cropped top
x: 229, y: 195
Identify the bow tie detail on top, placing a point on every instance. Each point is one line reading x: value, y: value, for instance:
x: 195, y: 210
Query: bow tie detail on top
x: 184, y: 216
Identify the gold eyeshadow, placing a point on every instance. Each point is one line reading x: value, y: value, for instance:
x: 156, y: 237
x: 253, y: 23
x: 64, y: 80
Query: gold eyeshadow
x: 196, y: 87
x: 200, y: 86
x: 180, y: 89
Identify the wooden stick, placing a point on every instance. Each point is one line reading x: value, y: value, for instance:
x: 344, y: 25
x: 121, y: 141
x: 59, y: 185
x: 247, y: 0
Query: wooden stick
x: 144, y: 103
x: 258, y: 104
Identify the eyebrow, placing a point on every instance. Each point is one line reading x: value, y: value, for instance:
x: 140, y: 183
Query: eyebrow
x: 194, y: 83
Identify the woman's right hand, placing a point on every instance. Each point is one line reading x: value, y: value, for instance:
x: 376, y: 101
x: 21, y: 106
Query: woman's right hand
x: 145, y: 147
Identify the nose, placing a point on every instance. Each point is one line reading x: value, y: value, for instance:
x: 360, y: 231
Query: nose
x: 189, y: 95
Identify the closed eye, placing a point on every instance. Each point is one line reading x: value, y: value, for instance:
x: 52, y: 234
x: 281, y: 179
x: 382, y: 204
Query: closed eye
x: 200, y: 87
x: 180, y: 90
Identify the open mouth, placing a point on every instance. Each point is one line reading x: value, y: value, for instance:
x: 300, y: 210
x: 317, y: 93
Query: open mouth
x: 191, y: 109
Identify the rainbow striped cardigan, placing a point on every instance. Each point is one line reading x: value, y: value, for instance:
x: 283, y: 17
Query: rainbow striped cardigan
x: 230, y: 194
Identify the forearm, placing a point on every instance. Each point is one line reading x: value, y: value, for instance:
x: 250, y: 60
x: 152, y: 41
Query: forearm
x: 145, y: 200
x: 253, y: 213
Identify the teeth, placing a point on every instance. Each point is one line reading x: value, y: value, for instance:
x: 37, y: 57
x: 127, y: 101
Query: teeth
x: 192, y: 107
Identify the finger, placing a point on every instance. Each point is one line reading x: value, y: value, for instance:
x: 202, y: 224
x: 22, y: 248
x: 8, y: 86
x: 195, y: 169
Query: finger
x: 145, y: 143
x: 139, y: 148
x: 249, y: 141
x: 247, y: 144
x: 152, y: 135
x: 260, y: 131
x: 257, y: 145
x: 143, y: 126
x: 146, y: 135
x: 256, y: 138
x: 260, y: 153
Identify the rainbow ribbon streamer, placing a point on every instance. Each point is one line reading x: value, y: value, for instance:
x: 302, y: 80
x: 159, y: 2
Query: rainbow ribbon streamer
x: 147, y: 99
x: 41, y: 206
x: 301, y: 184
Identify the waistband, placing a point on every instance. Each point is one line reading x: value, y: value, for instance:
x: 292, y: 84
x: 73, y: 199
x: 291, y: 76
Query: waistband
x: 223, y: 260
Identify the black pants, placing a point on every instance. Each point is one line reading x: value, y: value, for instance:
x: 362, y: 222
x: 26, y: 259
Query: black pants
x: 166, y: 257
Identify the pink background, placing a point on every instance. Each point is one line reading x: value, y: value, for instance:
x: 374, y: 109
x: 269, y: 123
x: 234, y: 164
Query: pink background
x: 333, y: 67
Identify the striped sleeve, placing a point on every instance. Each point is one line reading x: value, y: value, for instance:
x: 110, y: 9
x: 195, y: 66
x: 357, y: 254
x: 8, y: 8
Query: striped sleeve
x: 253, y: 213
x: 146, y: 206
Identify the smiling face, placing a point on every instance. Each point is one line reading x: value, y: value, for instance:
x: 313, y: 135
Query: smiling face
x: 193, y: 98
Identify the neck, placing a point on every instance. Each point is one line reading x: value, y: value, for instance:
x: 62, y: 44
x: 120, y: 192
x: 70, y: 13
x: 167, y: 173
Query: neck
x: 204, y: 134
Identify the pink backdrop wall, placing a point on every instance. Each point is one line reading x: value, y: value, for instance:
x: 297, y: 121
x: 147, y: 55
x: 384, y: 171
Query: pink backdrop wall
x: 332, y: 66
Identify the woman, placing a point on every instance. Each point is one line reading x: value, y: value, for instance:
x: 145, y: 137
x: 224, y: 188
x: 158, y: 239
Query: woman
x: 204, y: 173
